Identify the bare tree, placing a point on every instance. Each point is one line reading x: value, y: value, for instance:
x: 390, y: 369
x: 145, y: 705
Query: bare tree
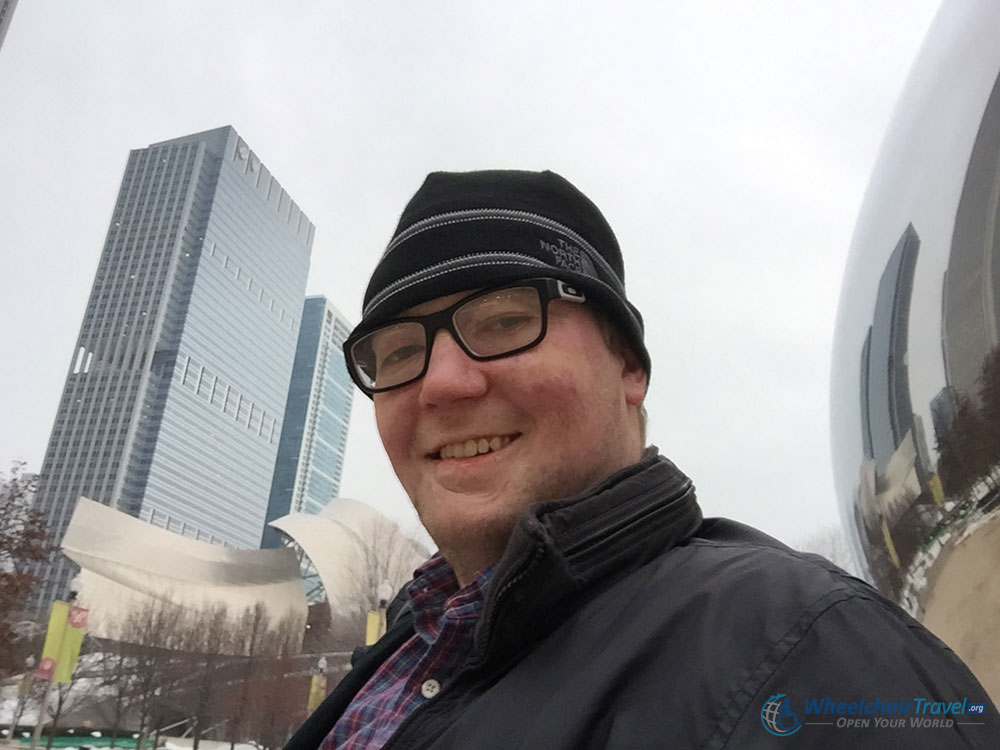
x: 62, y: 692
x: 204, y: 665
x: 207, y: 637
x: 963, y: 449
x: 989, y: 393
x: 156, y: 634
x: 24, y: 542
x: 382, y: 553
x: 135, y: 664
x: 830, y: 542
x: 266, y: 702
x: 115, y: 669
x: 278, y: 699
x: 249, y: 638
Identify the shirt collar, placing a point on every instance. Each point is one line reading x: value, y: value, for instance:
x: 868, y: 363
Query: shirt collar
x: 436, y: 598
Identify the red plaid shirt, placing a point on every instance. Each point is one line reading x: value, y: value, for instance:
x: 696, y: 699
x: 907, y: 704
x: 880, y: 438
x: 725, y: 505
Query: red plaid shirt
x: 444, y: 618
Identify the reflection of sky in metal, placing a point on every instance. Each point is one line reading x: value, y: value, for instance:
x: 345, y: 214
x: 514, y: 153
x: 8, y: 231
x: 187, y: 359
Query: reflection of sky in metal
x: 918, y: 179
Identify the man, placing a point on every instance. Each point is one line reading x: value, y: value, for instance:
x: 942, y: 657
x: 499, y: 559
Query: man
x: 579, y: 600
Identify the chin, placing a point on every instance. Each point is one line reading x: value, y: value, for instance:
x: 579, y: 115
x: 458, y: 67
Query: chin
x: 460, y: 529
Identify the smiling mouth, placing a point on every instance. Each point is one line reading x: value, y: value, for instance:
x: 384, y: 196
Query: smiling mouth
x: 474, y: 446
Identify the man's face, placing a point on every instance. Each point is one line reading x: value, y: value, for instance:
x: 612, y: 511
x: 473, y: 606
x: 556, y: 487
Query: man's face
x: 556, y: 418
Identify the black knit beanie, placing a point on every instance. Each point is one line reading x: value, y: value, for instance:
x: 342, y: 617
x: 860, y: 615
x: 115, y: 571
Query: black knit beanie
x: 474, y: 230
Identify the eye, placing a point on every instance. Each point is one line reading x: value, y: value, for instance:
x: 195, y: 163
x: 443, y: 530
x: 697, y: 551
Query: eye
x: 507, y: 322
x: 401, y: 354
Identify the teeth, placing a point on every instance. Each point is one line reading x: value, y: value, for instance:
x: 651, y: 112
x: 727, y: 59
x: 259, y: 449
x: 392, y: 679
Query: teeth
x: 474, y: 447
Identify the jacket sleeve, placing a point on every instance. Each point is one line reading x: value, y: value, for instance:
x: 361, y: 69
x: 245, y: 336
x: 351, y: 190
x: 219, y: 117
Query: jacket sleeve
x: 864, y: 676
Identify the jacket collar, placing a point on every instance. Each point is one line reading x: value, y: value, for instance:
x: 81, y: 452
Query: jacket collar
x: 562, y: 548
x: 558, y: 552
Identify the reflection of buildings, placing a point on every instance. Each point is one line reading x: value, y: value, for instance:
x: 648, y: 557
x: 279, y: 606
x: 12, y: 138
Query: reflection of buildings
x: 943, y: 411
x: 6, y: 11
x: 896, y: 467
x: 317, y: 413
x: 886, y: 411
x: 936, y: 554
x: 173, y: 404
x: 971, y: 308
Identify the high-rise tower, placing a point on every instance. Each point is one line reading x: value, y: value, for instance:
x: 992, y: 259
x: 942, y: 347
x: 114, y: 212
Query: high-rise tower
x: 6, y: 12
x: 886, y: 411
x: 173, y: 404
x: 317, y: 414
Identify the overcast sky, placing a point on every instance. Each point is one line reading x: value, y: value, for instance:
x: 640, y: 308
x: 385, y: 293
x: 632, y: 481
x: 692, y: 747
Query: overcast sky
x: 728, y: 143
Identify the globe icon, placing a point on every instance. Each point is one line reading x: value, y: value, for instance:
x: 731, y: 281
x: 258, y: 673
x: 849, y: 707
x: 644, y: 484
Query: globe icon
x: 777, y: 716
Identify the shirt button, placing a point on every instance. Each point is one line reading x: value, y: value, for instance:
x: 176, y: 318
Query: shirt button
x: 430, y: 688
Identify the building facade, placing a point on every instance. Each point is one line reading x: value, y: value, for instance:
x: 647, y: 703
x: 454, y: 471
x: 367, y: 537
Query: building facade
x: 173, y: 404
x: 317, y: 414
x: 6, y: 12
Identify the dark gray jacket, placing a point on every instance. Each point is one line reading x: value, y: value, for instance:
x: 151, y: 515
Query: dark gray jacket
x: 620, y: 619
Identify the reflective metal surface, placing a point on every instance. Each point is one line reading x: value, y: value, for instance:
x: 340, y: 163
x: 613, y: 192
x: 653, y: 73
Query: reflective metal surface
x: 916, y: 370
x: 353, y: 548
x: 127, y: 564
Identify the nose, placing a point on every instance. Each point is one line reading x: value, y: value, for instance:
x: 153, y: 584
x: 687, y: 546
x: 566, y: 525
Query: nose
x: 451, y: 374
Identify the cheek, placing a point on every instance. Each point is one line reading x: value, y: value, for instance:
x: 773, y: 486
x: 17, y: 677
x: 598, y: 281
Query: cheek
x: 558, y: 401
x: 394, y: 429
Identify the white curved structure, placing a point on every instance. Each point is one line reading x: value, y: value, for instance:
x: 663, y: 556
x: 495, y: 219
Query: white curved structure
x: 353, y: 548
x: 127, y: 563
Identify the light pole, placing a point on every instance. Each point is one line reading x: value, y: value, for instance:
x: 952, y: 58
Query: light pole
x: 74, y: 589
x: 157, y: 710
x: 384, y: 593
x: 375, y: 627
x: 23, y: 691
x: 317, y: 685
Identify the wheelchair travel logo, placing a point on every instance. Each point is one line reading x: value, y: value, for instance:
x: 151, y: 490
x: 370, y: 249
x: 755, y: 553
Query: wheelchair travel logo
x: 777, y: 716
x: 864, y: 713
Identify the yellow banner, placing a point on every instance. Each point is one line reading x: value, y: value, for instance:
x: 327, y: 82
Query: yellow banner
x: 67, y: 624
x: 375, y: 627
x: 937, y: 490
x: 888, y: 543
x: 317, y: 691
x: 57, y: 627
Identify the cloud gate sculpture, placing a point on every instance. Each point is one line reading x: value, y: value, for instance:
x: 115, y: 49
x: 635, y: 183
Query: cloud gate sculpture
x: 916, y: 368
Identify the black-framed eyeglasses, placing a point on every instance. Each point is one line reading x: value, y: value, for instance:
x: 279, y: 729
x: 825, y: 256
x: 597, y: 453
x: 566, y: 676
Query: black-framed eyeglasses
x: 488, y: 324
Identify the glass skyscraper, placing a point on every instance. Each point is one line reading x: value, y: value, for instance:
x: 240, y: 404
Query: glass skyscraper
x: 6, y: 12
x: 174, y: 401
x: 317, y: 414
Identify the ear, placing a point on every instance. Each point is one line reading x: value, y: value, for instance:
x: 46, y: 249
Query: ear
x: 635, y: 381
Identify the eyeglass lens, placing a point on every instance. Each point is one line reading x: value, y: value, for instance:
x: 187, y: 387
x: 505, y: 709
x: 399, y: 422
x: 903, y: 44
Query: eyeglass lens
x: 487, y: 325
